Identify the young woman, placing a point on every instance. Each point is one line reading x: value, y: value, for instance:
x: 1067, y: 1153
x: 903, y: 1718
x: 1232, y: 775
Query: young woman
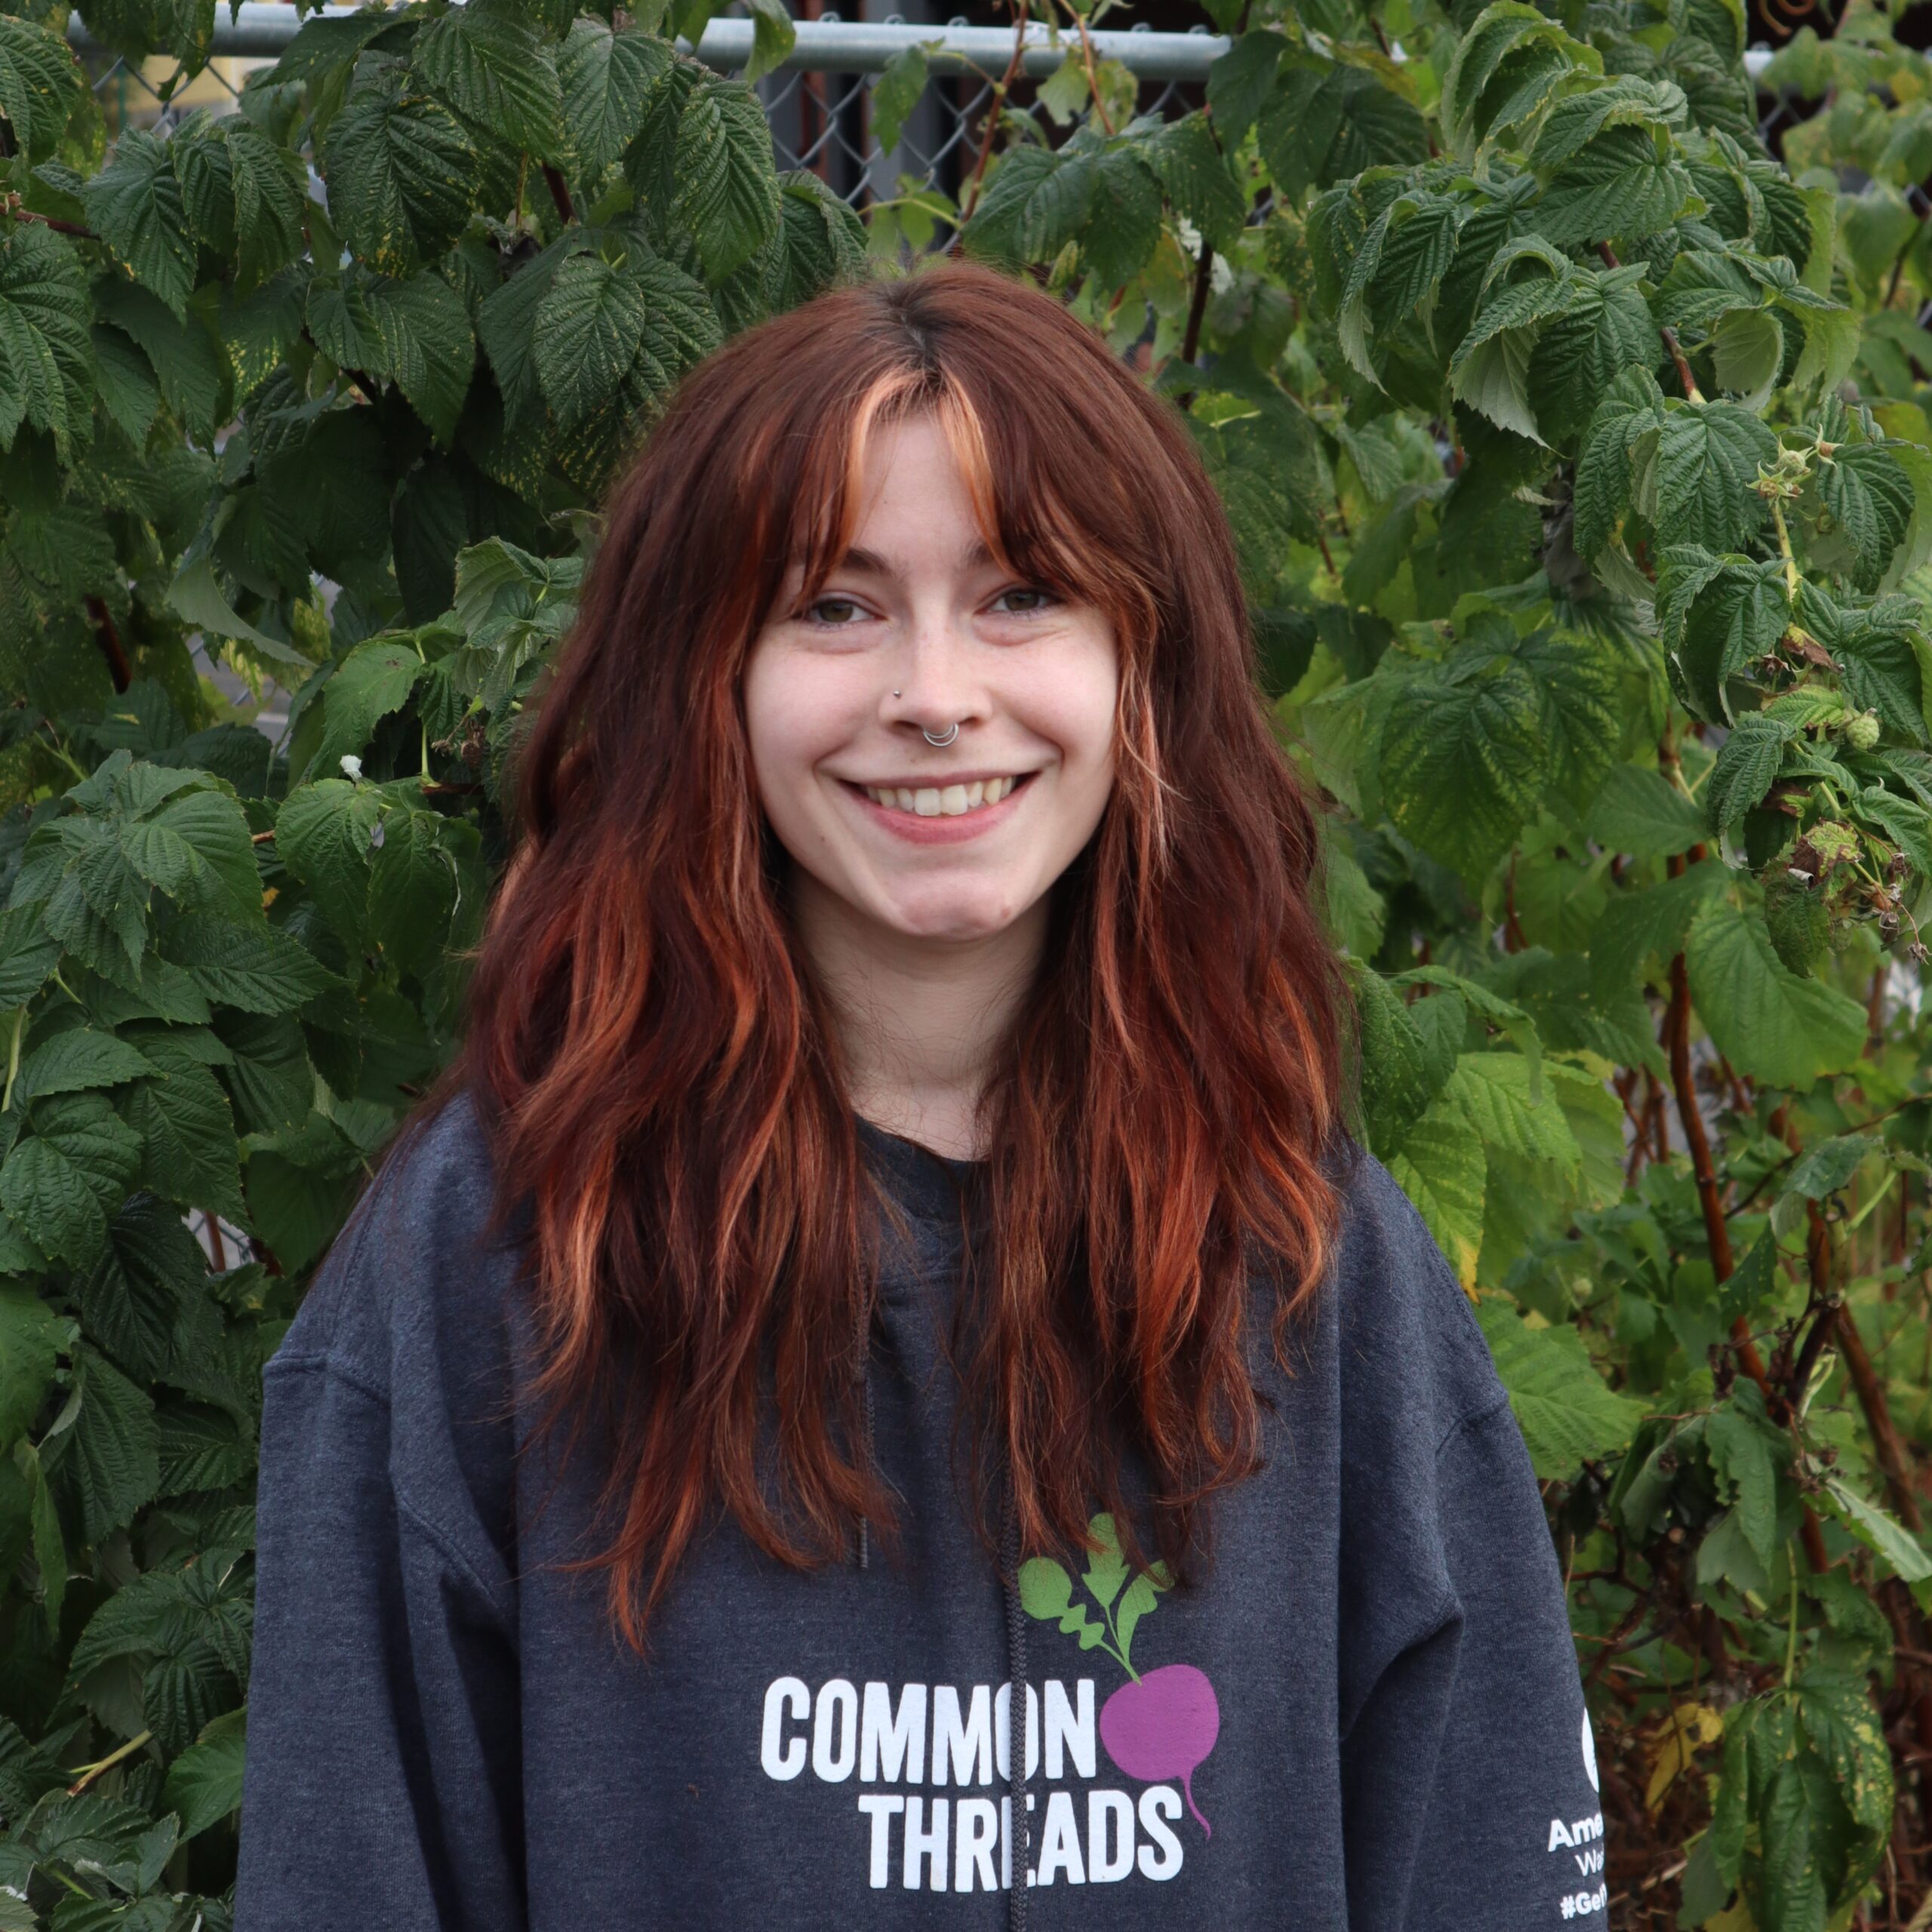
x: 883, y: 1395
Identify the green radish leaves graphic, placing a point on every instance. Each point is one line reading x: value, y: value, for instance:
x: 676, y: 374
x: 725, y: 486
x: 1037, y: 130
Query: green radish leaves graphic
x: 1046, y: 1592
x: 1161, y: 1724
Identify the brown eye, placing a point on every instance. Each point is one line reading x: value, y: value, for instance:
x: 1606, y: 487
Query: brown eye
x: 834, y: 610
x: 1031, y: 599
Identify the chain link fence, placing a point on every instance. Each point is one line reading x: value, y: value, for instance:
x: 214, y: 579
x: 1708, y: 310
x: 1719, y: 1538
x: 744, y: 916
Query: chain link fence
x: 819, y: 104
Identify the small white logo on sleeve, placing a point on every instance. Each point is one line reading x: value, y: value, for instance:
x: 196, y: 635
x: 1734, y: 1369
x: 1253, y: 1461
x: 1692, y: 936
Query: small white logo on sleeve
x: 1590, y: 1752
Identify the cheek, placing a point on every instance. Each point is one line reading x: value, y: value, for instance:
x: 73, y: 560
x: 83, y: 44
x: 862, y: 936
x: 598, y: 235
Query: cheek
x: 792, y: 719
x: 1088, y: 723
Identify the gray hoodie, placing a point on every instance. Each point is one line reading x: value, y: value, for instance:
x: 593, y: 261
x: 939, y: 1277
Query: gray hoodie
x: 1367, y: 1717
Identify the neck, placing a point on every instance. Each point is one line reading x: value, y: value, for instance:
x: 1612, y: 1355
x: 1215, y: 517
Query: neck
x: 918, y: 1021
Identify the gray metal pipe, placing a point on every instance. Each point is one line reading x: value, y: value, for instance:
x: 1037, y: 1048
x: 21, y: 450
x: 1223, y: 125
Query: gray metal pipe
x: 828, y: 45
x: 831, y: 45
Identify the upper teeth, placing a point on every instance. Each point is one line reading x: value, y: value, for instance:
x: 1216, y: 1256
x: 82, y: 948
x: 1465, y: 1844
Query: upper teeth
x: 946, y: 801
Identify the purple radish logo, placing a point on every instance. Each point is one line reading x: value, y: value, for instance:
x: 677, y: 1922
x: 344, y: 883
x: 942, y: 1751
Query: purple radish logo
x: 1161, y: 1724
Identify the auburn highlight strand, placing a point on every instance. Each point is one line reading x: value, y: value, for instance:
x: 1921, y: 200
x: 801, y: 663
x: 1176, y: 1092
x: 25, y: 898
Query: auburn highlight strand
x: 658, y: 1070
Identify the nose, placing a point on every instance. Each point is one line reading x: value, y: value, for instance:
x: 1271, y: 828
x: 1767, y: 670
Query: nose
x: 937, y: 688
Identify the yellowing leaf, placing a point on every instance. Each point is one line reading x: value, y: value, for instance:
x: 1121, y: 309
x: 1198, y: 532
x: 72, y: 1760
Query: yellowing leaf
x: 1687, y: 1730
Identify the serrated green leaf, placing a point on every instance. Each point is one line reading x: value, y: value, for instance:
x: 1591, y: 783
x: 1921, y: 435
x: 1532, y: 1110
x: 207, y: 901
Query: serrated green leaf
x: 586, y: 335
x: 73, y: 1061
x: 60, y: 1181
x: 323, y: 836
x: 1620, y: 186
x: 41, y: 84
x: 1408, y: 1053
x: 1637, y: 812
x: 1742, y: 1453
x: 1492, y: 1093
x: 46, y: 358
x: 1238, y: 82
x: 204, y: 1784
x: 1708, y: 459
x: 135, y: 205
x: 1568, y: 1414
x: 1039, y: 202
x: 426, y: 346
x: 1441, y: 1167
x: 1880, y: 1531
x: 727, y: 192
x: 605, y: 77
x: 1864, y: 489
x: 1771, y: 1025
x: 139, y: 1301
x: 1191, y: 168
x: 185, y: 357
x: 184, y: 1117
x: 31, y: 1337
x: 257, y: 969
x: 494, y: 69
x: 1468, y: 747
x: 116, y: 1453
x: 1581, y: 353
x: 1747, y: 351
x: 412, y: 890
x: 402, y: 169
x: 1747, y: 762
x: 125, y: 381
x: 1633, y: 409
x: 773, y: 37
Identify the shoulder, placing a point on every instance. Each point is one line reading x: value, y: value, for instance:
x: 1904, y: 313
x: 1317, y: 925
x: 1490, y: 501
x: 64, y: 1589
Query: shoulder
x: 1410, y: 1350
x: 416, y: 1255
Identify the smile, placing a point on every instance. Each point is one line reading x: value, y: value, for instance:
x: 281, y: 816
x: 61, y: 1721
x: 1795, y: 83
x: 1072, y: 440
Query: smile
x: 943, y: 801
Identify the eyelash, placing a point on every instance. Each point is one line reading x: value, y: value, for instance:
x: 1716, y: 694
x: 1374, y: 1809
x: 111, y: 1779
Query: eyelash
x: 808, y: 613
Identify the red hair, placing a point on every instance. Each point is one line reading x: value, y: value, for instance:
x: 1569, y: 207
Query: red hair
x: 655, y: 1064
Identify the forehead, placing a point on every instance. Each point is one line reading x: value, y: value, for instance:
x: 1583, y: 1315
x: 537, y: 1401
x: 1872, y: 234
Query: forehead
x: 914, y: 503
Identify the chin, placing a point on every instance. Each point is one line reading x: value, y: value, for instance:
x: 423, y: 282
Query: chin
x: 952, y: 921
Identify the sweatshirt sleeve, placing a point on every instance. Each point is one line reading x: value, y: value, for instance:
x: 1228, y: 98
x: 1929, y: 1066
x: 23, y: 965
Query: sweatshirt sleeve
x: 382, y: 1784
x: 1469, y: 1772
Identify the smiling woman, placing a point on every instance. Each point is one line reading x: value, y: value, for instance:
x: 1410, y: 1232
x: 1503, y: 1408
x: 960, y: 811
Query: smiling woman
x: 903, y: 1111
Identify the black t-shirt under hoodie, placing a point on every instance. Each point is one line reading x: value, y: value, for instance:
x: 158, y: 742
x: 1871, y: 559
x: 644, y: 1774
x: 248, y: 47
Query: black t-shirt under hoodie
x: 1367, y: 1717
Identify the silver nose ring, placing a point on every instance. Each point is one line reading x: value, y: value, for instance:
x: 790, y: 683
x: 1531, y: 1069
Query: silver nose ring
x: 946, y: 740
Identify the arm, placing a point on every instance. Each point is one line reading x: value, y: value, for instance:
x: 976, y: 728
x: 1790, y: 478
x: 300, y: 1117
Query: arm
x: 1469, y: 1787
x: 382, y: 1784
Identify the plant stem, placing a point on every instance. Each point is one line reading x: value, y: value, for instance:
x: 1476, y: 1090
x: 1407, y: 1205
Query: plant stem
x: 1871, y: 1393
x: 1119, y: 1648
x: 90, y: 1772
x: 14, y: 1057
x: 1784, y: 548
x: 1691, y: 392
x: 1087, y: 60
x: 1791, y: 1635
x: 1677, y: 1042
x: 109, y: 638
x: 969, y: 200
x: 1204, y: 275
x: 1878, y: 1419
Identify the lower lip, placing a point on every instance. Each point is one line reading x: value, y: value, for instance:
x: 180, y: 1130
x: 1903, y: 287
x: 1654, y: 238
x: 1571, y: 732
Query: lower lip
x: 940, y: 830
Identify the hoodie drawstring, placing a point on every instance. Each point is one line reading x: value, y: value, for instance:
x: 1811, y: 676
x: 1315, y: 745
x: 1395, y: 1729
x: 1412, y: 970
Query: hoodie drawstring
x: 872, y: 1457
x: 1020, y: 1835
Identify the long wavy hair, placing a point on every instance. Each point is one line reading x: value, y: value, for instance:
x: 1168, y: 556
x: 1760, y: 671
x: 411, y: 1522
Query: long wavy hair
x: 657, y: 1066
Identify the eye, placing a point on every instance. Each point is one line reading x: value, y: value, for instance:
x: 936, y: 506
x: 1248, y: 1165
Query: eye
x: 835, y: 612
x: 1029, y: 597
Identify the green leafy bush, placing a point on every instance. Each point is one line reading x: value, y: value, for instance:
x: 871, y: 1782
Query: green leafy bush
x: 1579, y: 457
